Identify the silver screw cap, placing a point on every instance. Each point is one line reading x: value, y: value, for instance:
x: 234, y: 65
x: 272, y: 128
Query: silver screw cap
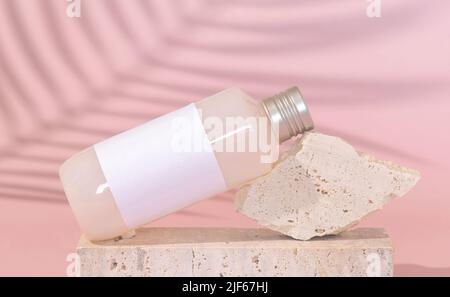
x: 288, y: 112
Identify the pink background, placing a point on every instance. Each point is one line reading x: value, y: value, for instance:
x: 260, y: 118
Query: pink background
x: 383, y: 84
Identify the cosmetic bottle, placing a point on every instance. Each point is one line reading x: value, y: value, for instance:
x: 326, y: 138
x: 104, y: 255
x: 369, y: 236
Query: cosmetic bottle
x: 171, y: 162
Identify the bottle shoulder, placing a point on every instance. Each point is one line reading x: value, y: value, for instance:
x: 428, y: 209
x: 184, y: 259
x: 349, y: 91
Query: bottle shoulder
x: 230, y: 102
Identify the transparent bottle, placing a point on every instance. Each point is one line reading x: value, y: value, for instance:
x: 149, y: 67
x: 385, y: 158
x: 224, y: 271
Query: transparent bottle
x: 116, y: 186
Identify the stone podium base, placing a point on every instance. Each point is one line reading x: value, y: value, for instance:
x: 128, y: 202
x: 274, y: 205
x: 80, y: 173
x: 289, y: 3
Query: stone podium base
x: 237, y: 252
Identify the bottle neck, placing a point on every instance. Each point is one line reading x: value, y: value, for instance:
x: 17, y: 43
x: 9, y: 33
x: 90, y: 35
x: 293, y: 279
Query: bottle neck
x: 288, y: 114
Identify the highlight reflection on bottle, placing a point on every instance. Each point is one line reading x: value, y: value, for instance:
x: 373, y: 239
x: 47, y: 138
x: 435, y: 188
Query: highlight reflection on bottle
x: 203, y: 149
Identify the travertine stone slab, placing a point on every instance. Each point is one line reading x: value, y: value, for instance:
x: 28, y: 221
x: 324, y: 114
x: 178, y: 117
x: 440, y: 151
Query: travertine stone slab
x: 237, y: 252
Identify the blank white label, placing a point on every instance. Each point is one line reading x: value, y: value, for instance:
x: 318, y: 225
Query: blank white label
x: 160, y: 167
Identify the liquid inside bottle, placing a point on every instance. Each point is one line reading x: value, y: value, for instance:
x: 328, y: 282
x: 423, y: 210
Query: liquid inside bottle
x: 243, y: 133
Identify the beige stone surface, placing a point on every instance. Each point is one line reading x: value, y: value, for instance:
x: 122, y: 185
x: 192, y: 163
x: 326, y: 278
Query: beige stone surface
x: 237, y: 252
x: 322, y: 186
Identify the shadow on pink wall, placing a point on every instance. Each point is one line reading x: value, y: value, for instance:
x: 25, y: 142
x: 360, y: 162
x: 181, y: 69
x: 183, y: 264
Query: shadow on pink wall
x: 418, y: 270
x: 382, y: 84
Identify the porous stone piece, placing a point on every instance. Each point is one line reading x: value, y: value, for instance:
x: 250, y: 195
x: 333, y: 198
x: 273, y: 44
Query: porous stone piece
x: 237, y: 252
x: 322, y: 186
